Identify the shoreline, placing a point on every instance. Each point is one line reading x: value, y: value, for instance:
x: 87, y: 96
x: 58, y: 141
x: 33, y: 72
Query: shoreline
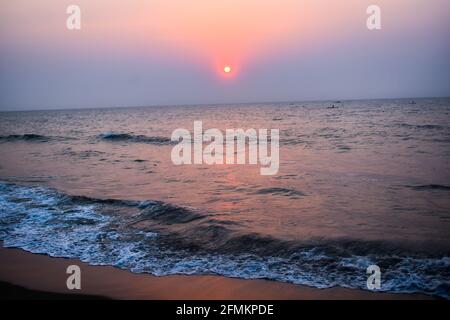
x: 37, y: 276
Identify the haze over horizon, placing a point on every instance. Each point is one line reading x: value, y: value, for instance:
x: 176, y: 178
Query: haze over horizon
x: 172, y: 52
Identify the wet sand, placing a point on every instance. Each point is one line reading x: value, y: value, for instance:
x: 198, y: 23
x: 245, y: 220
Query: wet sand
x: 44, y: 274
x: 12, y: 292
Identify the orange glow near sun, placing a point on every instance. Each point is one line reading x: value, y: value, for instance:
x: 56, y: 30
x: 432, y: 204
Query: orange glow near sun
x: 204, y: 29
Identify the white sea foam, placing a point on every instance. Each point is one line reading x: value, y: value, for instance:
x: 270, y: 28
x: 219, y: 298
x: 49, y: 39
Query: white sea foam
x: 41, y: 220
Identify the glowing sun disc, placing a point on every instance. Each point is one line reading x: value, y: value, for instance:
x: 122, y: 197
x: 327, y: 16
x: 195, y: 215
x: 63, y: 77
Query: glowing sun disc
x: 227, y: 69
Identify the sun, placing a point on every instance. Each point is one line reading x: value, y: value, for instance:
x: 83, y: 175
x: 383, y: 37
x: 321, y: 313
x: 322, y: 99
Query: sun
x: 227, y: 69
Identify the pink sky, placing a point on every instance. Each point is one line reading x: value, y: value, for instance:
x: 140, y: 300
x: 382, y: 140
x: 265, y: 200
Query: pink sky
x: 202, y: 36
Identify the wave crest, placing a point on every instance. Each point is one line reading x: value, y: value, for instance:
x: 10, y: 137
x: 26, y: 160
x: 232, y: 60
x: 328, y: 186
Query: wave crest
x: 163, y: 239
x: 126, y: 137
x: 25, y: 137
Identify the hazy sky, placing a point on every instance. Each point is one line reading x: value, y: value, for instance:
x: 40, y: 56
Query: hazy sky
x: 149, y: 52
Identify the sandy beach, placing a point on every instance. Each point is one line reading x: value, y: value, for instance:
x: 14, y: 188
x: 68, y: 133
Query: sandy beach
x: 46, y: 274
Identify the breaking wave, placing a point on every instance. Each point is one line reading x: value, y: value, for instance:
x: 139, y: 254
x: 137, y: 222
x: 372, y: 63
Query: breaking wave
x: 125, y: 137
x: 25, y: 137
x: 162, y: 239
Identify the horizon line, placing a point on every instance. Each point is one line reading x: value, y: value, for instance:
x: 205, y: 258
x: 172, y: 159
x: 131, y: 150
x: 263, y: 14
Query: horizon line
x: 212, y: 104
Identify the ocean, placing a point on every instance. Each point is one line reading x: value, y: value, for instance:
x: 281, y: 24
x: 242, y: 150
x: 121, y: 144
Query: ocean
x: 364, y: 183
